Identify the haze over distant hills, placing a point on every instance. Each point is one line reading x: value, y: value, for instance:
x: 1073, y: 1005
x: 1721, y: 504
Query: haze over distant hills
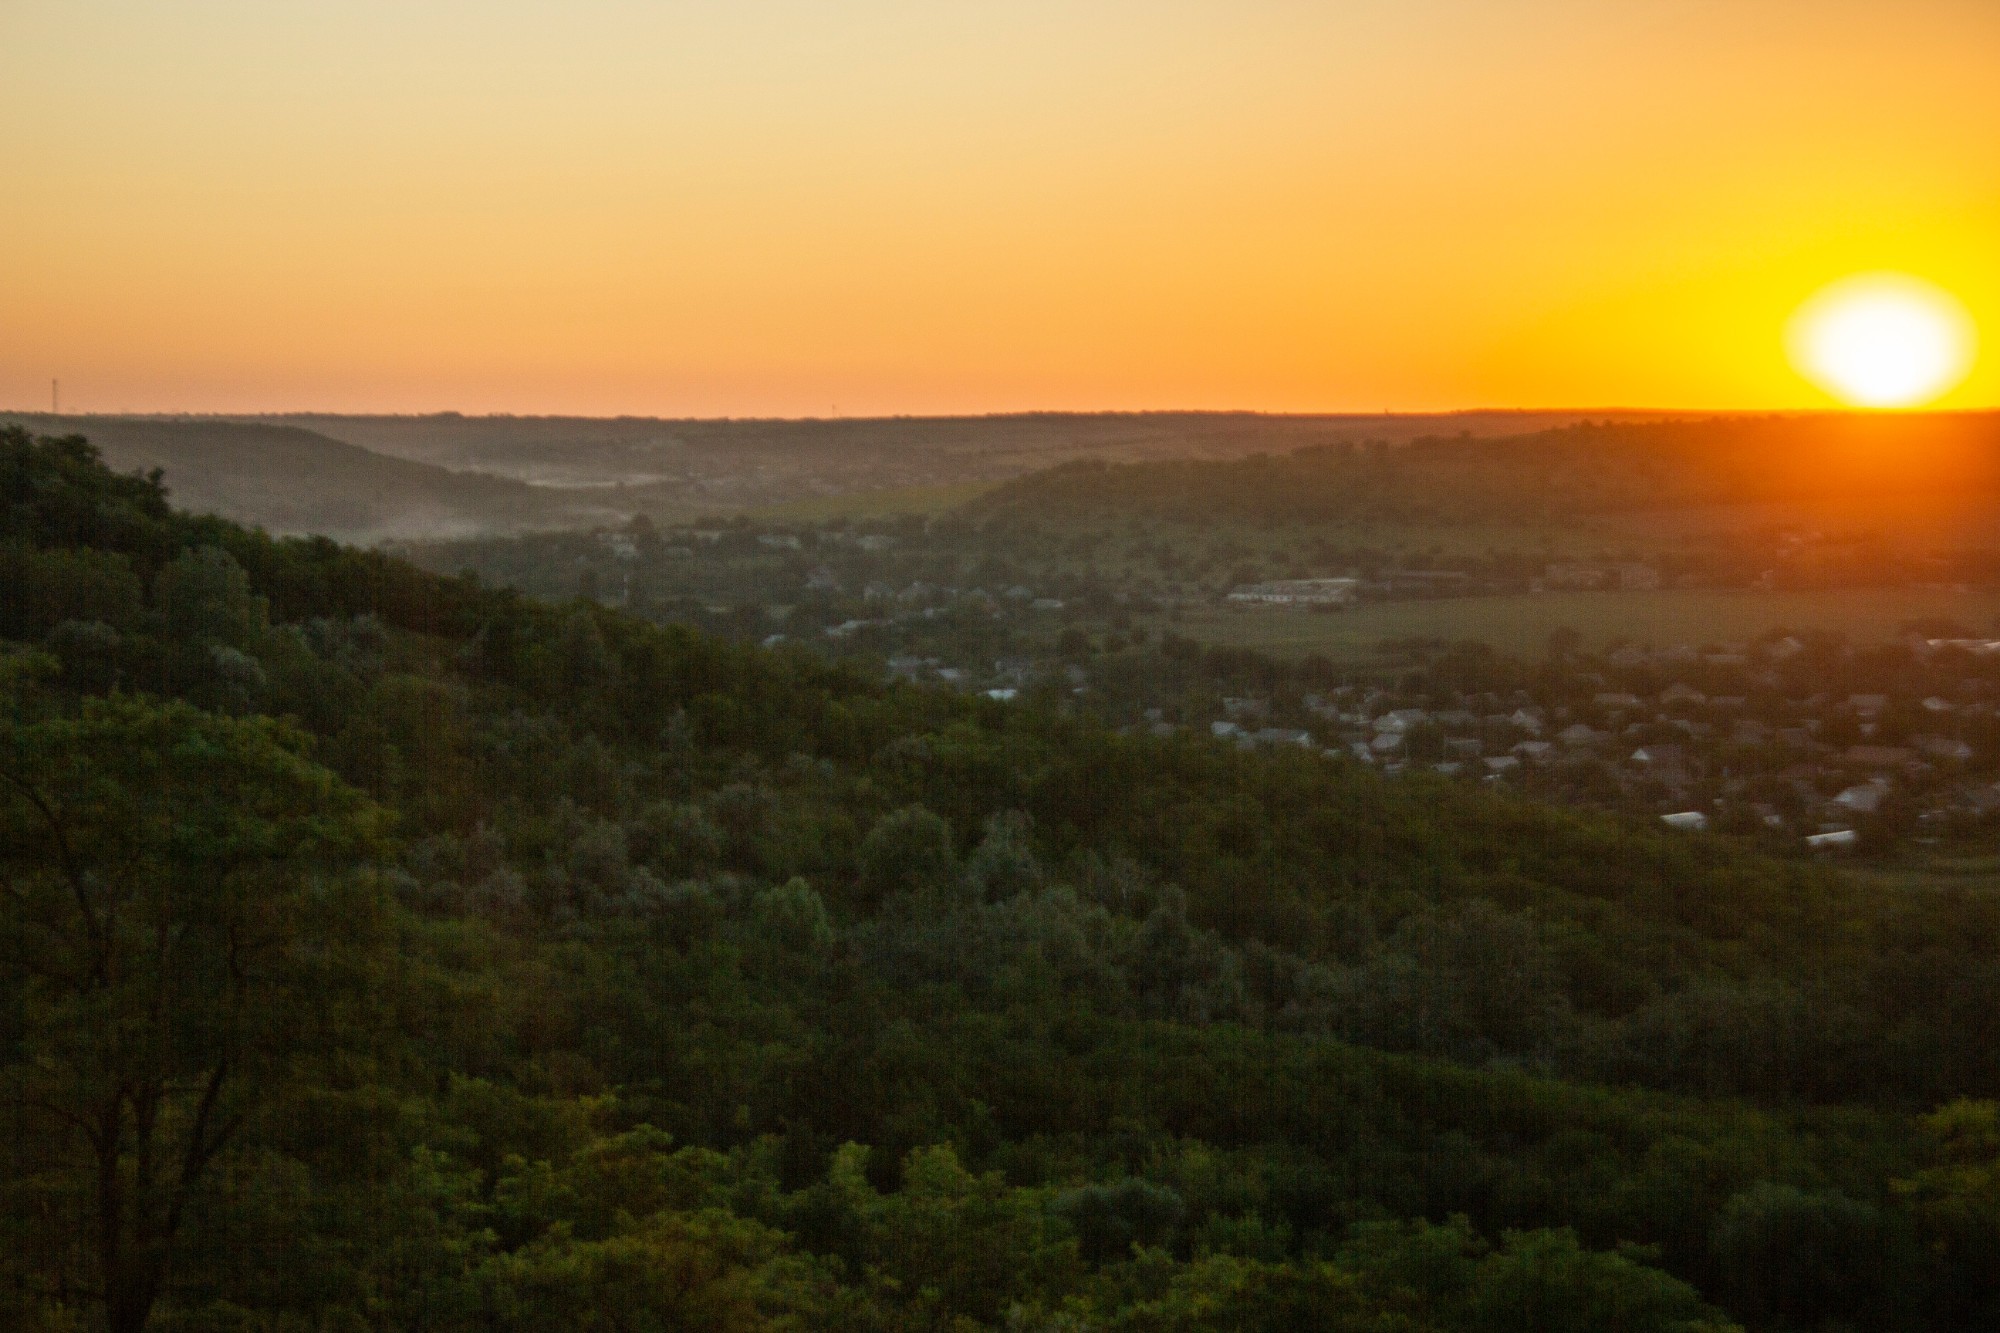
x: 291, y: 481
x: 721, y: 464
x: 375, y: 478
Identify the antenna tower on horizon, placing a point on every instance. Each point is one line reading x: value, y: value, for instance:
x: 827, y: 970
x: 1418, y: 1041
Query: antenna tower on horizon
x: 55, y: 398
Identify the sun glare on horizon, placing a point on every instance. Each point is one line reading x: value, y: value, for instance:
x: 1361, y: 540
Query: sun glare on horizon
x: 1883, y: 340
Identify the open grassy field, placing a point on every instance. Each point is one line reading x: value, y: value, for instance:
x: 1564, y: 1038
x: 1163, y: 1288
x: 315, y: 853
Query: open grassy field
x: 1523, y: 623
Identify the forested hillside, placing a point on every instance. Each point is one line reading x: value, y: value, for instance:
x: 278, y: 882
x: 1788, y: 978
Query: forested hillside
x: 290, y: 480
x: 1604, y: 467
x: 381, y: 951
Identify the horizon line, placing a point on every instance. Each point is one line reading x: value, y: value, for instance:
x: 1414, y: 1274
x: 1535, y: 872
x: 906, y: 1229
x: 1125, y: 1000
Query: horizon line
x: 1021, y: 413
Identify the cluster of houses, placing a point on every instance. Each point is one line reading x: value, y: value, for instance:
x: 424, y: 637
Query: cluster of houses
x: 1404, y: 584
x: 919, y: 601
x: 1572, y: 575
x: 1752, y: 745
x: 1299, y: 592
x: 1824, y: 746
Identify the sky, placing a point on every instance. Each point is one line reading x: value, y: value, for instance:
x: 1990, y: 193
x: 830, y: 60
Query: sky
x: 849, y: 207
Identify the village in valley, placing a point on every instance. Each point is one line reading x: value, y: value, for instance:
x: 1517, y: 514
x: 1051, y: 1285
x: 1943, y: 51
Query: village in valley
x: 1823, y: 743
x: 1820, y: 742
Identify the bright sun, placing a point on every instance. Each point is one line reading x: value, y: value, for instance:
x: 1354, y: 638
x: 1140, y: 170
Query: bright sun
x: 1882, y: 340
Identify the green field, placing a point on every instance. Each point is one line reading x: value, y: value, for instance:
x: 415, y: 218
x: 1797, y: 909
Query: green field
x: 1523, y: 622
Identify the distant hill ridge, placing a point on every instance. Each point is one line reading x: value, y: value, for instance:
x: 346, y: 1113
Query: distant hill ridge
x: 593, y: 470
x: 1600, y: 467
x: 291, y: 481
x: 368, y: 479
x: 944, y: 448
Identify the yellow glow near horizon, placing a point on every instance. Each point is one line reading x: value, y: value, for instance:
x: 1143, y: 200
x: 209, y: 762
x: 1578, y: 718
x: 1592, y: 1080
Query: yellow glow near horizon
x: 793, y: 207
x: 1883, y: 340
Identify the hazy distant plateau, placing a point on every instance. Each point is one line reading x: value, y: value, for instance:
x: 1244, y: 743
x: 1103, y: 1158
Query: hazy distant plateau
x: 370, y: 479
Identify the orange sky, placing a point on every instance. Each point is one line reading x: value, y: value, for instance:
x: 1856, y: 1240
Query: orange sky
x: 790, y: 207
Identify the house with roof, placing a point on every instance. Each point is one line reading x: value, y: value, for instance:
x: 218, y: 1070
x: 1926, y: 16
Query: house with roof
x: 1298, y: 592
x: 1863, y: 798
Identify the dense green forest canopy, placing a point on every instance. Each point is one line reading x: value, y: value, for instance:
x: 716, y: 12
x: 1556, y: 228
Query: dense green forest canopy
x: 386, y: 951
x: 1589, y: 468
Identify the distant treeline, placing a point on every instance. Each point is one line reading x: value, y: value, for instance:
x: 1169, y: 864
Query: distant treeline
x: 1590, y: 468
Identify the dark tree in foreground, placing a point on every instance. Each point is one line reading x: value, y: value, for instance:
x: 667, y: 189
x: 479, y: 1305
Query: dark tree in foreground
x: 183, y: 935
